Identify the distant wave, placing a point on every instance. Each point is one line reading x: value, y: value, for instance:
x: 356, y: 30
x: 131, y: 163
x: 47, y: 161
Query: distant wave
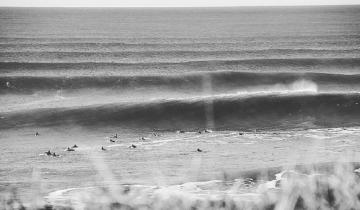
x: 64, y: 51
x: 212, y: 64
x: 183, y: 40
x: 176, y: 52
x: 221, y: 81
x: 170, y: 56
x: 292, y: 46
x: 228, y: 112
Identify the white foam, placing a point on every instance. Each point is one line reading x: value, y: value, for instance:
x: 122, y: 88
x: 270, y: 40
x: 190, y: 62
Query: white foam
x: 213, y: 189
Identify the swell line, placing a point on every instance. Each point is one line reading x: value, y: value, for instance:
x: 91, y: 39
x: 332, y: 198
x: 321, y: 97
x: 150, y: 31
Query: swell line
x: 302, y: 62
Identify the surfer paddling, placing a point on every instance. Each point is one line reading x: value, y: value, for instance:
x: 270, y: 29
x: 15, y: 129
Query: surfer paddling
x: 111, y: 138
x: 103, y: 149
x: 180, y: 131
x: 205, y: 131
x: 53, y: 154
x: 69, y: 149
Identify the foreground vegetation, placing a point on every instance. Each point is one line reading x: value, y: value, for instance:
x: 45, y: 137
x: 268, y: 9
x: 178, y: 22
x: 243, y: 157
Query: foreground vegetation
x: 329, y: 186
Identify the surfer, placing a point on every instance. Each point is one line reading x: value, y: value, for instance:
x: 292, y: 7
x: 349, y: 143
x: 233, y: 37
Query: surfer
x: 103, y: 149
x: 69, y: 149
x: 111, y: 140
x: 204, y: 131
x: 55, y: 155
x: 75, y: 146
x: 48, y: 153
x: 133, y: 146
x: 37, y: 134
x: 199, y: 150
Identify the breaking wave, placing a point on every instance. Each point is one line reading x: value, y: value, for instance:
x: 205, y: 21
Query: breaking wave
x: 228, y: 112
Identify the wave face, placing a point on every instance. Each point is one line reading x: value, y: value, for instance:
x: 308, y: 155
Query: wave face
x: 172, y: 56
x: 228, y: 112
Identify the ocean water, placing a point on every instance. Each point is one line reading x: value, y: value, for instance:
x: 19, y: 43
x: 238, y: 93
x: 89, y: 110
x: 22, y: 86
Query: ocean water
x: 252, y: 87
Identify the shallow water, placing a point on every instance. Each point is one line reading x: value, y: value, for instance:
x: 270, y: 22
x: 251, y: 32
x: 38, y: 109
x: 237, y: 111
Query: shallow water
x: 159, y: 161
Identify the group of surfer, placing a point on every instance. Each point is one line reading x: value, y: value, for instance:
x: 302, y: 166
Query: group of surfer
x: 53, y: 154
x: 111, y: 139
x: 71, y: 149
x: 204, y: 131
x: 132, y: 146
x: 199, y: 132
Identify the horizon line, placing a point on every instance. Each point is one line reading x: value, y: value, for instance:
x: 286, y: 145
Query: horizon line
x: 224, y: 6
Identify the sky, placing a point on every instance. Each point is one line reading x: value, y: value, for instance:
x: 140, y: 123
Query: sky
x: 169, y: 3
